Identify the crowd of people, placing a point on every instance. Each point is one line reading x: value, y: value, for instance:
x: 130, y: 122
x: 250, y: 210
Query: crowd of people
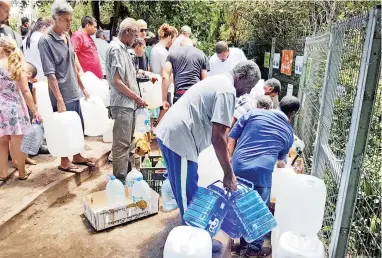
x: 218, y: 100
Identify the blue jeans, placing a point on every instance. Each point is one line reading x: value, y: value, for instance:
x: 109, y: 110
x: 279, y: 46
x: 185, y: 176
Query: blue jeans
x: 257, y: 245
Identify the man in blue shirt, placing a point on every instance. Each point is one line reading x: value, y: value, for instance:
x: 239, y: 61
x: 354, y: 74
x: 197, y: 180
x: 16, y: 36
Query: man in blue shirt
x: 262, y: 138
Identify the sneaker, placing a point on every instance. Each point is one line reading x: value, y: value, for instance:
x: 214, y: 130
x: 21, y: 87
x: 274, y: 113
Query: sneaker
x: 264, y: 252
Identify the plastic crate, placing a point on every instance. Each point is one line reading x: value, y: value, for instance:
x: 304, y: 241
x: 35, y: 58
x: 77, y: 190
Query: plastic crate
x: 153, y: 176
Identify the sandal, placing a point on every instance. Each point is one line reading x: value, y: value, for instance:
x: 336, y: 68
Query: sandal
x: 86, y: 162
x: 71, y: 168
x: 5, y: 179
x: 26, y: 176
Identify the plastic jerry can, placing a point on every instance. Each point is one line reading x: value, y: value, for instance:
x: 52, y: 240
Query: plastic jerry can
x: 293, y: 245
x: 188, y: 242
x: 64, y: 135
x: 208, y: 208
x: 94, y: 112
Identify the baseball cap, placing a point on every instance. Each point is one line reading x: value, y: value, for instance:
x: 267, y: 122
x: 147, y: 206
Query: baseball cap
x: 186, y: 29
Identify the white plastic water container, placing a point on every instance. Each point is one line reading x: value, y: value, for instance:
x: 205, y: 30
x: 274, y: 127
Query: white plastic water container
x: 42, y: 95
x: 64, y: 135
x: 188, y: 242
x: 280, y: 179
x: 300, y: 207
x: 142, y: 120
x: 131, y: 178
x: 140, y: 191
x: 152, y: 93
x: 95, y: 116
x: 108, y: 135
x: 96, y: 87
x: 209, y: 169
x: 168, y: 198
x: 115, y: 192
x: 292, y: 245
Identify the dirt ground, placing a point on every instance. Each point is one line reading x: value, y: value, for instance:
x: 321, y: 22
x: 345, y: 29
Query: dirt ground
x: 63, y: 231
x: 14, y: 192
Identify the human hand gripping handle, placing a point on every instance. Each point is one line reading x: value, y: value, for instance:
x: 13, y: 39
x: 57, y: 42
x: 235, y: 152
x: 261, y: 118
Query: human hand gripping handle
x: 140, y: 102
x: 61, y: 106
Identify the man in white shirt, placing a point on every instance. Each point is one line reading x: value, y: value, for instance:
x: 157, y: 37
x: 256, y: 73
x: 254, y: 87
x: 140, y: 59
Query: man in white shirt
x: 225, y: 58
x: 102, y: 46
x: 185, y: 32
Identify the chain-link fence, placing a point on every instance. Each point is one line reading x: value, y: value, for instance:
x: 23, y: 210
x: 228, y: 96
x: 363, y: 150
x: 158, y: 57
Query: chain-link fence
x: 336, y: 91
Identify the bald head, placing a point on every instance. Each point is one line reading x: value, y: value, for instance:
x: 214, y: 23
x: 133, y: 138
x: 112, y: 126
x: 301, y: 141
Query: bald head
x: 186, y: 42
x: 5, y: 9
x: 222, y: 50
x: 221, y: 47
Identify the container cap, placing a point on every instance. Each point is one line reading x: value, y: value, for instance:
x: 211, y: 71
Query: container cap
x: 139, y: 178
x: 112, y: 178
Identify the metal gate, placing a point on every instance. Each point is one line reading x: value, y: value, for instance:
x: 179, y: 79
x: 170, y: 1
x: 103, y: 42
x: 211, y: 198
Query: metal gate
x: 338, y: 90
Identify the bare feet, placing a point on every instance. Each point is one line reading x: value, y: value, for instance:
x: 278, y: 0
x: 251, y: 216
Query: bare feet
x: 79, y: 160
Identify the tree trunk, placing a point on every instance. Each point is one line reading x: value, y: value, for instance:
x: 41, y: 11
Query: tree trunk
x: 96, y: 13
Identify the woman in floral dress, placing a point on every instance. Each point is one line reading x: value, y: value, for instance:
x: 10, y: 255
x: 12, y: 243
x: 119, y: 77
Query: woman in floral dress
x: 14, y: 117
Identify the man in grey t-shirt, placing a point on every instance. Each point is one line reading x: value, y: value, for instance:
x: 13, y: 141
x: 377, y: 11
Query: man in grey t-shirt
x: 61, y: 67
x: 201, y: 117
x: 189, y: 66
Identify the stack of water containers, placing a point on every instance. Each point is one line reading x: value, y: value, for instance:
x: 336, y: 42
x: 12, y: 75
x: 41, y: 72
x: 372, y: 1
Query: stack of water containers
x: 299, y: 214
x: 96, y: 87
x: 243, y: 213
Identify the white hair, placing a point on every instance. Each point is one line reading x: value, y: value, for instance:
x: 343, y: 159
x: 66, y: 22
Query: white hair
x: 126, y: 24
x: 60, y: 7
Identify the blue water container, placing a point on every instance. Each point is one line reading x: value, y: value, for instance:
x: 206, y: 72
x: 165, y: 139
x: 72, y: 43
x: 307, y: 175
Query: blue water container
x: 208, y: 208
x: 33, y: 139
x: 231, y: 224
x: 251, y: 212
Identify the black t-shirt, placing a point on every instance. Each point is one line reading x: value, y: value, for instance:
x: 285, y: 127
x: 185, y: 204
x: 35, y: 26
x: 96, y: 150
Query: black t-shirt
x: 187, y: 64
x: 143, y: 62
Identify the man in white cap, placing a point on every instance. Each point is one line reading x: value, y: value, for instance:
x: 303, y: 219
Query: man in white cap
x: 185, y: 32
x: 225, y: 58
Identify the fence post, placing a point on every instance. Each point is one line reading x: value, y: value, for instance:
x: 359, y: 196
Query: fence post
x: 367, y: 86
x: 271, y: 61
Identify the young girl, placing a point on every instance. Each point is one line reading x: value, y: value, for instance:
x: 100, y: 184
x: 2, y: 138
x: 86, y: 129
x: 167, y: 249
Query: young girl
x: 14, y: 117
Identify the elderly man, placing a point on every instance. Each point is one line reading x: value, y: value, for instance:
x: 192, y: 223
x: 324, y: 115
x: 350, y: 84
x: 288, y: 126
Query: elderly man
x: 189, y: 66
x: 60, y: 65
x: 185, y: 32
x: 5, y: 9
x: 85, y: 47
x: 143, y: 61
x: 225, y: 58
x: 102, y: 47
x: 124, y: 95
x: 263, y: 138
x: 201, y: 117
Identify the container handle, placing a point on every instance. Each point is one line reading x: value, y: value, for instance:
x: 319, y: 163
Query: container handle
x: 226, y: 193
x: 244, y: 181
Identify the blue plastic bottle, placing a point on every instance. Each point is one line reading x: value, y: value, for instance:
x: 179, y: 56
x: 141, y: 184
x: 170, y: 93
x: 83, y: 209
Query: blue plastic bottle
x: 168, y: 198
x: 250, y: 212
x: 33, y: 139
x: 207, y: 209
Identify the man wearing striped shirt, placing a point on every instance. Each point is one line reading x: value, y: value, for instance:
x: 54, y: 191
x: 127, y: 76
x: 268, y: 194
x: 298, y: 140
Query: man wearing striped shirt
x: 247, y: 102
